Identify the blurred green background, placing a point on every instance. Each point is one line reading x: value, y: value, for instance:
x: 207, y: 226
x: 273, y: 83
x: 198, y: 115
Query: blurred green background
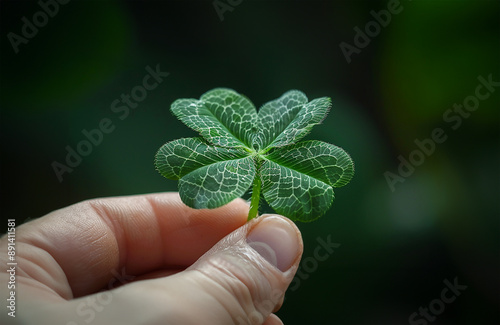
x: 396, y: 246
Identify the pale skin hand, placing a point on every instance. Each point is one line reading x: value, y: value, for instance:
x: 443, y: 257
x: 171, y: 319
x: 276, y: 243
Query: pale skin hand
x: 131, y: 260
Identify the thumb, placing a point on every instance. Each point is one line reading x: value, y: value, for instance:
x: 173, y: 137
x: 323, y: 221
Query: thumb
x: 249, y: 271
x: 243, y: 278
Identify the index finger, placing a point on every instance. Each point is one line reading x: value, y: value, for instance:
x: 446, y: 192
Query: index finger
x: 140, y: 233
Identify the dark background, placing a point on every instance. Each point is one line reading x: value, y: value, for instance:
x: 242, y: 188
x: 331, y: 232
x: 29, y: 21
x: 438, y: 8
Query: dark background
x: 396, y: 247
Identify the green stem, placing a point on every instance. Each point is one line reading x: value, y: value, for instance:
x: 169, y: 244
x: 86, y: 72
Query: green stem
x: 254, y: 203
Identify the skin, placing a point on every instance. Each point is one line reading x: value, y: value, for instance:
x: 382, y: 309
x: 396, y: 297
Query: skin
x: 146, y: 252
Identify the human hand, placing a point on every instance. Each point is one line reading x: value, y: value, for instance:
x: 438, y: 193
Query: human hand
x: 136, y: 260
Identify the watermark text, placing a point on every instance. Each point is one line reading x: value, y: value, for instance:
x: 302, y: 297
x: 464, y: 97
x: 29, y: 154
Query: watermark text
x: 11, y: 267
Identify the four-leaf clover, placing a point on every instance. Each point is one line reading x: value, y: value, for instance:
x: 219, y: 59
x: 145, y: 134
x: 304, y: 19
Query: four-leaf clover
x: 239, y: 148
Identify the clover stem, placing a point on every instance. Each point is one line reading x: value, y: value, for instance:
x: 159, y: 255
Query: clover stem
x: 254, y: 203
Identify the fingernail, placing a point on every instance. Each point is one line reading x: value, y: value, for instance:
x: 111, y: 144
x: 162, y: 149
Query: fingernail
x: 276, y: 240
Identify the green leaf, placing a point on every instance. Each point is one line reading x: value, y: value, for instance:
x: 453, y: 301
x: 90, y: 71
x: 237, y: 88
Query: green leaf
x: 240, y: 148
x: 222, y: 116
x: 289, y: 118
x: 321, y: 160
x: 299, y: 179
x: 209, y: 176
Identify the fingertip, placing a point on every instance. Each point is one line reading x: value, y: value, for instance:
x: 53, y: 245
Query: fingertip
x: 277, y: 239
x: 273, y: 320
x: 241, y: 204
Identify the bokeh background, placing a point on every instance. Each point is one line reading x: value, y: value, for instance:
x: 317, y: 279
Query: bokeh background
x: 396, y: 246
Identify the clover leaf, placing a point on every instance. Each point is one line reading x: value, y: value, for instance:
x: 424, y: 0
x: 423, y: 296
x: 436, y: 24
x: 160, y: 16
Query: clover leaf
x: 240, y: 148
